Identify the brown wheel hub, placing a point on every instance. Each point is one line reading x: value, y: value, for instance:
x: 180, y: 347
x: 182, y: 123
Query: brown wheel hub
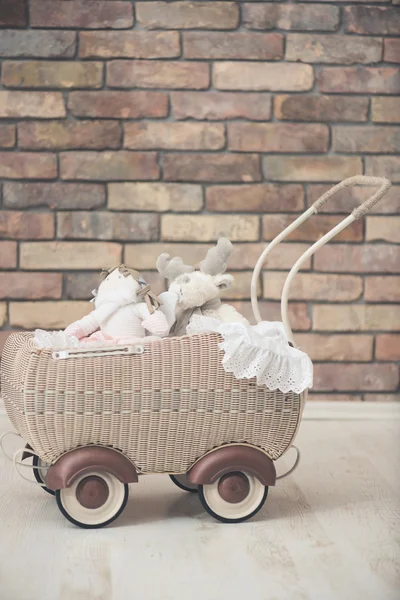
x: 92, y: 492
x: 234, y: 487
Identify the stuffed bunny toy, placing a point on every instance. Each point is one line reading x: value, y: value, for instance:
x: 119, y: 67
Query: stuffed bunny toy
x: 199, y: 291
x: 125, y: 308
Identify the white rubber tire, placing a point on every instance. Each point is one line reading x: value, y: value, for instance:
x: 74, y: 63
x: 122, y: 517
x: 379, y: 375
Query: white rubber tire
x: 228, y: 512
x: 93, y: 518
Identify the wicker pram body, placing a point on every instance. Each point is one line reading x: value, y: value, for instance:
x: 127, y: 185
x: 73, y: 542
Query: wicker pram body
x: 93, y: 420
x: 163, y: 409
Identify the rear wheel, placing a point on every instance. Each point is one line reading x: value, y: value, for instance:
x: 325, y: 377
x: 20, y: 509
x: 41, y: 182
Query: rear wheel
x: 95, y: 499
x: 234, y: 497
x: 183, y: 482
x: 40, y: 468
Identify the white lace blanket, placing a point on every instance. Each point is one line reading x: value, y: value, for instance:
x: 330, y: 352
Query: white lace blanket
x: 260, y: 351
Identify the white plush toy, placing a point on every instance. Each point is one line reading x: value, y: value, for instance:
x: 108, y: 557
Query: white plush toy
x: 198, y: 292
x: 125, y: 308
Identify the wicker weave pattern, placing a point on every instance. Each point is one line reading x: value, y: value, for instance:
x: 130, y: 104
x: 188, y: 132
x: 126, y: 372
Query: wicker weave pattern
x: 163, y: 409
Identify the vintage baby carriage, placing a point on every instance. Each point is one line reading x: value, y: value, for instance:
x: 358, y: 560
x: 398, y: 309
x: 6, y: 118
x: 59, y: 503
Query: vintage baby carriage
x: 95, y: 420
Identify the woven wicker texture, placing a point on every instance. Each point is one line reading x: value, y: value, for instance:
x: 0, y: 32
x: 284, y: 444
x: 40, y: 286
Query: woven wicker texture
x: 163, y: 409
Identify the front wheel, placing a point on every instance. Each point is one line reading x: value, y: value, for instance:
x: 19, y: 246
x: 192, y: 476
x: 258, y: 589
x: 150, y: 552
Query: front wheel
x: 94, y: 500
x: 234, y: 497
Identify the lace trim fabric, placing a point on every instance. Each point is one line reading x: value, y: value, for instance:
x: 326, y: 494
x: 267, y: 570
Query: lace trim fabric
x: 260, y: 351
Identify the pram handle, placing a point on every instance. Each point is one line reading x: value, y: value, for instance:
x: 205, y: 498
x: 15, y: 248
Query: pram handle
x: 366, y: 206
x: 358, y: 212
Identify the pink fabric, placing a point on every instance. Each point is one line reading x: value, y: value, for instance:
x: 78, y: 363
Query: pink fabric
x: 102, y: 338
x: 156, y: 323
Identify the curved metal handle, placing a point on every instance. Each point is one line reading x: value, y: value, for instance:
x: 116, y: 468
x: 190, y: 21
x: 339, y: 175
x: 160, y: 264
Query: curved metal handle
x: 358, y: 212
x: 364, y: 180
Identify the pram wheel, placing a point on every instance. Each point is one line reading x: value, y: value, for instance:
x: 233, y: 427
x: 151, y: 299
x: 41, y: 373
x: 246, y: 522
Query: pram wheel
x: 94, y: 499
x: 40, y: 468
x: 184, y: 484
x: 234, y: 497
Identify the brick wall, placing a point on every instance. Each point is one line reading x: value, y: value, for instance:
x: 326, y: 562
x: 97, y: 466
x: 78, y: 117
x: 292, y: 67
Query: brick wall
x: 129, y: 128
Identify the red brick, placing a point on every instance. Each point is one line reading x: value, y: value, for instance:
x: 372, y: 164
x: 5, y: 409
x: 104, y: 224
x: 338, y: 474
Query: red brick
x: 356, y: 1
x: 109, y: 166
x: 188, y: 15
x: 208, y: 228
x: 20, y: 286
x: 392, y: 50
x: 38, y: 44
x: 123, y: 105
x: 343, y: 49
x: 383, y: 228
x: 349, y: 198
x: 13, y: 13
x: 387, y: 347
x: 169, y: 135
x: 69, y: 134
x: 368, y: 258
x: 43, y: 105
x: 7, y: 136
x: 360, y: 80
x: 317, y: 168
x: 53, y: 195
x: 46, y: 315
x: 365, y: 139
x: 158, y: 74
x: 3, y: 313
x: 50, y: 74
x: 325, y: 346
x: 314, y: 286
x: 263, y: 197
x: 8, y: 255
x: 74, y: 256
x: 282, y: 77
x: 311, y: 230
x: 321, y: 108
x: 129, y: 44
x: 357, y: 377
x: 244, y: 256
x: 22, y: 225
x: 278, y: 137
x: 156, y: 196
x: 383, y: 166
x: 81, y: 14
x: 97, y: 225
x: 356, y: 317
x: 377, y: 20
x: 211, y: 167
x: 240, y: 289
x: 214, y: 106
x: 271, y: 311
x: 215, y: 45
x: 385, y: 110
x: 79, y: 286
x: 382, y: 289
x: 28, y: 165
x: 290, y: 16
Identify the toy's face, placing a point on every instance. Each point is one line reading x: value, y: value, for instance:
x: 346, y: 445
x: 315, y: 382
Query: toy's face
x: 195, y: 289
x: 115, y: 282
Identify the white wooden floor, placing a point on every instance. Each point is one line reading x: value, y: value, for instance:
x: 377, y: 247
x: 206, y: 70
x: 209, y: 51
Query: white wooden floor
x: 328, y: 532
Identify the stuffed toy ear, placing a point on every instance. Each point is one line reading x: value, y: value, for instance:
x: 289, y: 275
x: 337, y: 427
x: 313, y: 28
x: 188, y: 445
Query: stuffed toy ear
x: 223, y: 281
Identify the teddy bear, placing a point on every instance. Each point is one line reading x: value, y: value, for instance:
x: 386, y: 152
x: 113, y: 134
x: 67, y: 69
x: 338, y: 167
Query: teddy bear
x: 125, y: 310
